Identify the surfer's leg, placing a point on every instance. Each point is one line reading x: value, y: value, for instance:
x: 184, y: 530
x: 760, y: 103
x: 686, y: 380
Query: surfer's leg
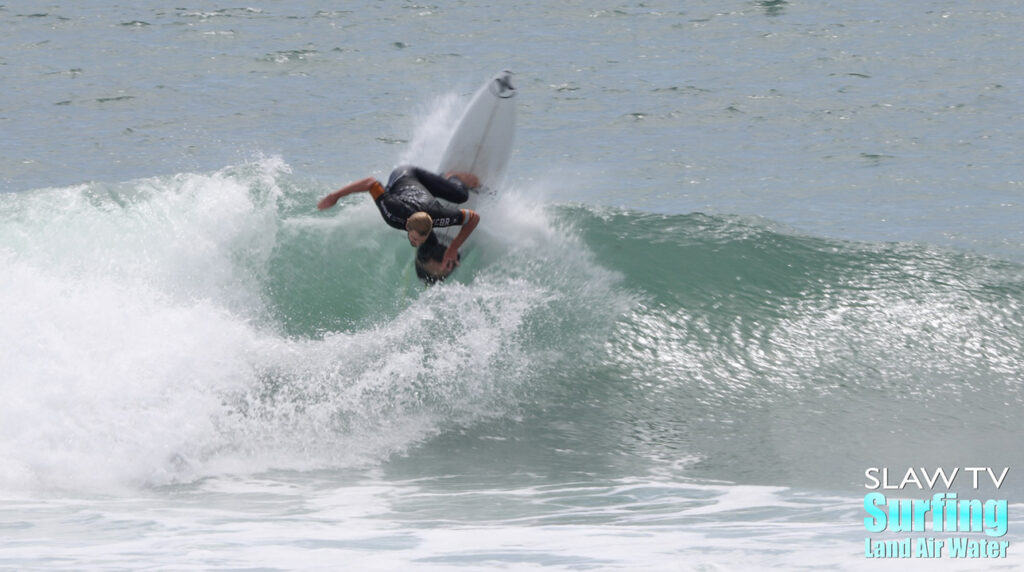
x: 399, y: 172
x: 452, y: 189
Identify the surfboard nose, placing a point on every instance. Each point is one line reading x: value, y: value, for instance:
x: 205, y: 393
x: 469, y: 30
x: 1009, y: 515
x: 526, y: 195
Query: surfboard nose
x: 502, y: 85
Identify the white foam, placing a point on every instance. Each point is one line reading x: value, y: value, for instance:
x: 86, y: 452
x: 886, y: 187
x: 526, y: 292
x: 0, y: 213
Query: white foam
x: 127, y: 312
x: 109, y: 384
x: 137, y: 345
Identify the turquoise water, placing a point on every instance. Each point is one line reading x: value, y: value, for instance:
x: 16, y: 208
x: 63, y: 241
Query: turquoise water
x: 744, y: 253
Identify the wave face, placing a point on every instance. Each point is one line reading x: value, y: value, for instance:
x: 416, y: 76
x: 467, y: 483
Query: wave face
x: 166, y: 329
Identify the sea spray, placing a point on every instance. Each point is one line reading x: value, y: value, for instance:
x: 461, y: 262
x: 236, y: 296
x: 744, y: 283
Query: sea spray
x: 127, y: 310
x: 429, y: 359
x: 145, y: 341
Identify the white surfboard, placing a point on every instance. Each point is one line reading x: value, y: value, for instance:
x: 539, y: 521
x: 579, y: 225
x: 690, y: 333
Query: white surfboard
x: 482, y: 141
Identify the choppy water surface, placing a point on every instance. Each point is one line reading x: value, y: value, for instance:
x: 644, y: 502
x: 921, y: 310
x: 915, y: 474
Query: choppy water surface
x: 744, y: 253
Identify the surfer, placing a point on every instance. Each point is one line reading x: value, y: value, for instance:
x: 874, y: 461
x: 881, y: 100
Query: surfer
x: 409, y: 202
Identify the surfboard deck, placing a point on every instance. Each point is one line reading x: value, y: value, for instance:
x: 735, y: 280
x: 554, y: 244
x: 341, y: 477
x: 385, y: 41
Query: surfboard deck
x: 482, y: 141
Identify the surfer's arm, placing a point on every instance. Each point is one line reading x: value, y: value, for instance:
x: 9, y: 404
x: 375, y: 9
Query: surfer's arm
x: 360, y: 186
x: 451, y: 254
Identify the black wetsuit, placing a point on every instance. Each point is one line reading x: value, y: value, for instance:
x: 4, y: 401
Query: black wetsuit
x: 411, y: 190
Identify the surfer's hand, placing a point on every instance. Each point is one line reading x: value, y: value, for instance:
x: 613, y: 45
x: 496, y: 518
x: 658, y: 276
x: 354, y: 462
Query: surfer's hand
x: 451, y: 260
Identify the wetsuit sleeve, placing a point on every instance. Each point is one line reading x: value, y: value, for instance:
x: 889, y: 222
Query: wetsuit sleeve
x: 447, y: 216
x: 452, y: 190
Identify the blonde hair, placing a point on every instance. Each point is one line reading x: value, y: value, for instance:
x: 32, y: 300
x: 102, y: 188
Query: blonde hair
x: 420, y: 222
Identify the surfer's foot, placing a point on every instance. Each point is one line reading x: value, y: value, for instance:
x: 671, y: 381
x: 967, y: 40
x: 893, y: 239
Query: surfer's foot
x: 468, y: 179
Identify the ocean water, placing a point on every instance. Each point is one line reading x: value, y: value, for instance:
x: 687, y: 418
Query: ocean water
x: 746, y: 251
